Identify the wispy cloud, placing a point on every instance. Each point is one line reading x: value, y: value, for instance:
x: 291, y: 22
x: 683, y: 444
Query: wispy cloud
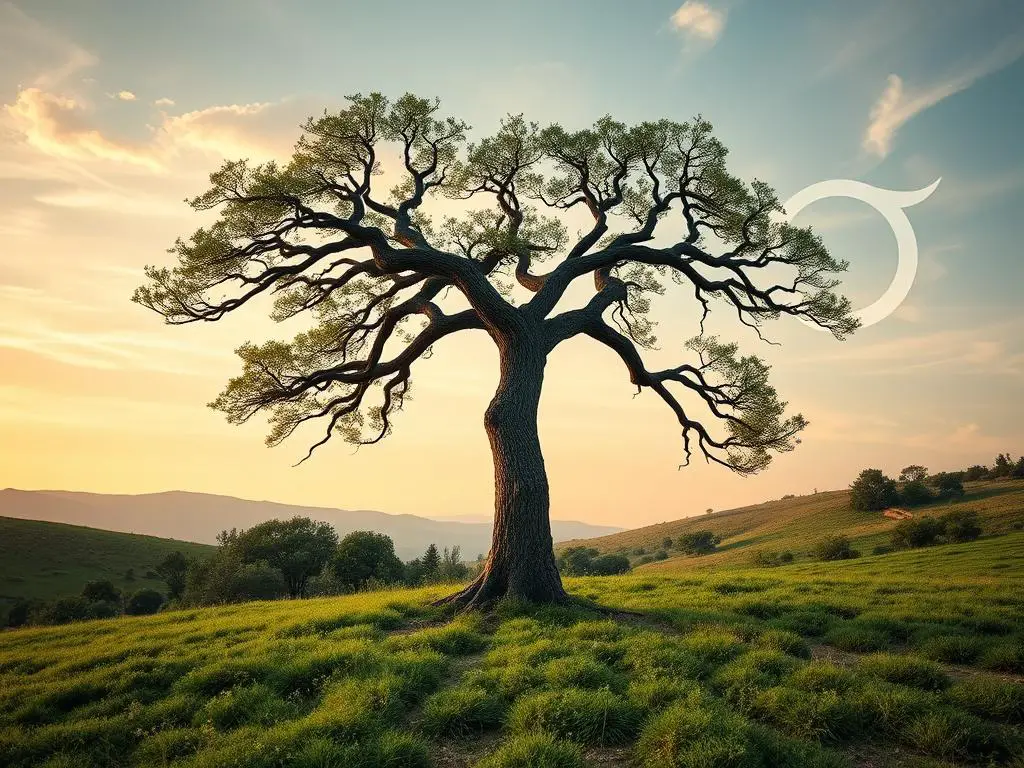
x: 700, y: 21
x: 123, y: 96
x: 59, y: 126
x: 898, y: 104
x: 164, y: 102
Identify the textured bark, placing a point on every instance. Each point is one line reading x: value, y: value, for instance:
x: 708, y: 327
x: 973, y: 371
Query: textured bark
x: 521, y: 563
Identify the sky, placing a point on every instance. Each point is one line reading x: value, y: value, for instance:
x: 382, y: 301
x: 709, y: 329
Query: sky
x: 113, y: 112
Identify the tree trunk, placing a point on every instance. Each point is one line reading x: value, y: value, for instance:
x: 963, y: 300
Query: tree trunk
x: 521, y: 563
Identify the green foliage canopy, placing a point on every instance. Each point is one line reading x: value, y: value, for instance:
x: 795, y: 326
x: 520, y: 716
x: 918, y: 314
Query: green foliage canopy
x: 370, y: 270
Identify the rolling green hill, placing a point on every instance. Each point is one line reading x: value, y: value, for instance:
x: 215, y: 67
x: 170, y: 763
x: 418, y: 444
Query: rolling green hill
x: 47, y: 560
x: 796, y: 524
x: 905, y: 660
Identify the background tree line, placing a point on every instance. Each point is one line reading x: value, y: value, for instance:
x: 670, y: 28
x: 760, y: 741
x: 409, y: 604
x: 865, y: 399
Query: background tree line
x: 293, y: 558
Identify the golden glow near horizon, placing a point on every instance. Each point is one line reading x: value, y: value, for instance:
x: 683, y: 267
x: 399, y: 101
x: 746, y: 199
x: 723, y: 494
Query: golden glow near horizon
x: 96, y: 394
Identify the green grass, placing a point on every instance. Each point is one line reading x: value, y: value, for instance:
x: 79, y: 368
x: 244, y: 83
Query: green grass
x: 47, y: 560
x: 743, y: 667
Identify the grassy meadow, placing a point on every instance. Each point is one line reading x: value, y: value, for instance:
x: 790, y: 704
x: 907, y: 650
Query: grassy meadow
x: 912, y: 659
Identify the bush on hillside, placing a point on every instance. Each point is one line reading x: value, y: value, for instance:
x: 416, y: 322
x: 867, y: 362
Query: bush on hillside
x: 922, y: 532
x: 974, y: 473
x: 949, y: 485
x: 65, y: 610
x: 224, y: 578
x: 957, y: 526
x: 173, y: 569
x: 915, y: 493
x: 575, y: 561
x: 587, y: 561
x: 697, y: 542
x: 609, y: 565
x: 834, y: 548
x: 22, y: 611
x: 873, y: 491
x: 769, y: 558
x: 961, y: 525
x: 144, y: 602
x: 101, y: 591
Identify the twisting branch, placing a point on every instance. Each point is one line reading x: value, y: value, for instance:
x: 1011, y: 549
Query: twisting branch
x: 372, y: 271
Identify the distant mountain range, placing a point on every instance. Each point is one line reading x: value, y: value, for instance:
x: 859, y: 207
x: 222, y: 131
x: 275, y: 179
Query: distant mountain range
x: 199, y: 517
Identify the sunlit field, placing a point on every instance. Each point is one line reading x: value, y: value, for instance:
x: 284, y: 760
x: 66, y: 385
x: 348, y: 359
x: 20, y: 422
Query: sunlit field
x: 796, y: 524
x: 907, y: 659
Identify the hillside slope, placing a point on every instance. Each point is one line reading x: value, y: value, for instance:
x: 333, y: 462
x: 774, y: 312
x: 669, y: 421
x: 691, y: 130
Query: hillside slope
x: 797, y: 523
x: 201, y: 516
x: 46, y: 560
x: 752, y: 669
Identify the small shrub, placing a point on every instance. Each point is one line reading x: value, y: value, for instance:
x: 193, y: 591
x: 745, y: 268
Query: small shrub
x: 769, y: 558
x: 921, y: 532
x: 610, y: 565
x: 536, y: 750
x: 144, y: 602
x: 905, y: 670
x: 462, y: 711
x: 101, y: 591
x: 588, y: 717
x: 834, y: 548
x: 960, y: 525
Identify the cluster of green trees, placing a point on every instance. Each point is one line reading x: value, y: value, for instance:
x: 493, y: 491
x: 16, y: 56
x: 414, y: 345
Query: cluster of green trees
x: 298, y: 558
x: 1003, y: 467
x: 278, y: 558
x: 694, y: 543
x: 588, y: 561
x: 873, y: 490
x: 98, y: 600
x: 956, y: 526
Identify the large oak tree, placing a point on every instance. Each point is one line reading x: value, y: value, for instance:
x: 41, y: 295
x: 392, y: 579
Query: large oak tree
x: 373, y: 271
